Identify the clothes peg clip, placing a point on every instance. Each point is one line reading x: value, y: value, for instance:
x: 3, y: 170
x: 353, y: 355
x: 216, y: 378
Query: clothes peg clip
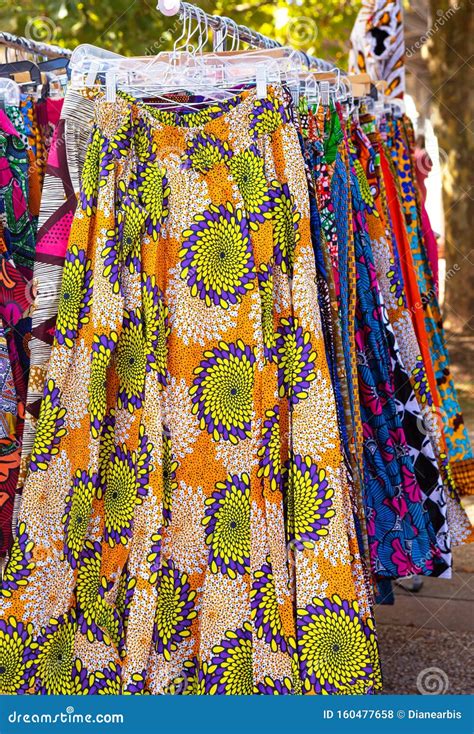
x: 324, y: 89
x: 379, y: 107
x: 261, y: 79
x: 92, y: 74
x: 219, y: 40
x: 110, y: 86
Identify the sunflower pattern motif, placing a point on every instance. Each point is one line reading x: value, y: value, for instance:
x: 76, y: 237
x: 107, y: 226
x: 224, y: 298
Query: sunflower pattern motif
x: 265, y: 286
x: 131, y: 361
x: 106, y: 163
x: 96, y: 618
x: 123, y: 601
x: 90, y: 174
x: 272, y: 687
x: 267, y: 116
x: 17, y: 650
x: 217, y: 260
x: 309, y: 502
x: 75, y: 296
x: 123, y: 244
x: 154, y: 192
x: 265, y: 609
x: 170, y: 484
x: 156, y: 327
x: 50, y: 428
x: 78, y: 513
x: 195, y: 679
x: 175, y: 610
x: 126, y: 484
x: 334, y: 648
x: 232, y: 660
x: 270, y: 450
x: 227, y: 523
x: 120, y: 142
x: 296, y: 360
x: 247, y: 169
x: 285, y: 218
x: 56, y: 670
x: 143, y: 143
x: 222, y: 391
x: 20, y: 565
x: 107, y: 682
x: 203, y: 152
x: 137, y: 685
x: 184, y: 513
x: 101, y: 355
x: 154, y: 558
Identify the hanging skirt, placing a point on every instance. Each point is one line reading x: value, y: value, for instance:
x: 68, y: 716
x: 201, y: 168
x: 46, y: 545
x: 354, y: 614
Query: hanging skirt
x: 58, y: 204
x: 185, y: 524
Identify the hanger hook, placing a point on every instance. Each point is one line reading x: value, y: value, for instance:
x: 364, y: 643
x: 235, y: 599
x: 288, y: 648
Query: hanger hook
x: 205, y: 31
x: 226, y: 31
x: 184, y: 19
x: 235, y: 34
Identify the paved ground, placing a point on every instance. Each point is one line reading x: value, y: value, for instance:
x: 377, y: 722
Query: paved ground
x: 427, y: 638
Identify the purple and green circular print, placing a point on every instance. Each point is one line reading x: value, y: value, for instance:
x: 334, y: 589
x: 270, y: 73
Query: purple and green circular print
x: 227, y: 523
x: 332, y: 645
x: 174, y: 609
x: 216, y: 256
x: 50, y: 428
x: 309, y: 502
x: 75, y: 296
x: 17, y: 650
x: 296, y: 360
x: 222, y: 391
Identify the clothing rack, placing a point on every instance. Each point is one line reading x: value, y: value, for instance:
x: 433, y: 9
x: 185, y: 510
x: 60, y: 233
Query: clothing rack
x: 229, y: 27
x: 30, y: 46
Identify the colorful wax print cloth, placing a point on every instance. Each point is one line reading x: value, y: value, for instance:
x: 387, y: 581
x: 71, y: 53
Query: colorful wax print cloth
x: 423, y: 374
x: 18, y: 232
x: 17, y: 250
x: 335, y: 254
x: 400, y: 146
x: 58, y: 204
x: 185, y: 523
x: 331, y: 327
x: 405, y: 350
x: 401, y: 535
x: 8, y: 445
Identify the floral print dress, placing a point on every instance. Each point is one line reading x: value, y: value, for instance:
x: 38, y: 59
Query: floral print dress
x: 186, y: 524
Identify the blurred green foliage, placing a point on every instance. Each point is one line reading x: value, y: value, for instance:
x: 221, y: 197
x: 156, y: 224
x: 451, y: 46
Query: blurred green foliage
x: 131, y: 27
